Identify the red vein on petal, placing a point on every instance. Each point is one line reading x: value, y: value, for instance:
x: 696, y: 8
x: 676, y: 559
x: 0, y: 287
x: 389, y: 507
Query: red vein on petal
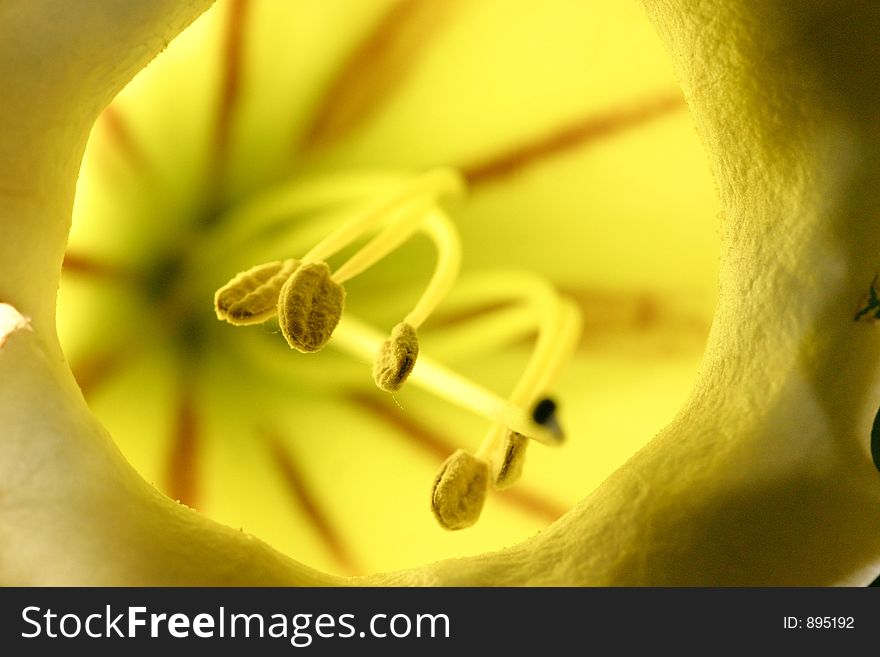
x: 587, y: 130
x: 303, y: 495
x: 519, y: 497
x: 89, y: 266
x: 121, y: 138
x: 416, y: 433
x: 181, y: 474
x: 92, y: 372
x: 230, y: 90
x: 373, y: 71
x: 610, y: 314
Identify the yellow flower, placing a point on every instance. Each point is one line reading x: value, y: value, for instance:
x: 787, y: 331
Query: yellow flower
x: 303, y: 451
x: 692, y: 507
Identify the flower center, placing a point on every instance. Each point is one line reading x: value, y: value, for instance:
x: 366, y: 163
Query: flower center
x: 307, y: 297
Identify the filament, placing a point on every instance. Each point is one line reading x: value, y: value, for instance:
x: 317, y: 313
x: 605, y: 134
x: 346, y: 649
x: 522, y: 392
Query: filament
x: 359, y: 339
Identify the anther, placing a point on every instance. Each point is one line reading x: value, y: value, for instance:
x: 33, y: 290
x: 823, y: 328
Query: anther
x: 396, y: 358
x: 364, y: 341
x: 513, y: 458
x: 309, y: 307
x: 251, y: 297
x: 460, y: 490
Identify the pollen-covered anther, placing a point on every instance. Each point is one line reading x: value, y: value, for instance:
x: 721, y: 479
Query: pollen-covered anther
x: 513, y: 457
x: 396, y: 358
x: 251, y: 297
x: 309, y: 307
x: 460, y: 490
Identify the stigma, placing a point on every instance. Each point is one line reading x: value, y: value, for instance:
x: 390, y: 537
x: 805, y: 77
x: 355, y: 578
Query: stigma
x: 307, y: 298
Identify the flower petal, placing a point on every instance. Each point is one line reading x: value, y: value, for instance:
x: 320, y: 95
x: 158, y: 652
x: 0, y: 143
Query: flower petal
x: 60, y: 64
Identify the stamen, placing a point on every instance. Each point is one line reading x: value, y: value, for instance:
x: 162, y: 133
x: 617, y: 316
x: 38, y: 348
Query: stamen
x: 510, y: 304
x: 252, y: 296
x: 429, y: 186
x: 445, y: 238
x: 309, y: 302
x: 298, y: 199
x: 548, y: 357
x: 363, y: 341
x: 309, y: 307
x: 439, y: 229
x: 396, y: 359
x: 513, y: 452
x: 460, y: 490
x: 403, y: 224
x: 478, y: 334
x: 558, y: 323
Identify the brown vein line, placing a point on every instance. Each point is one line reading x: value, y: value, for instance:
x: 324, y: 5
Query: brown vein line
x: 613, y: 313
x: 121, y: 137
x: 306, y: 499
x: 606, y: 312
x: 88, y: 266
x: 373, y: 71
x: 230, y: 91
x: 181, y: 479
x: 92, y: 372
x: 416, y: 433
x: 592, y: 128
x: 520, y: 498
